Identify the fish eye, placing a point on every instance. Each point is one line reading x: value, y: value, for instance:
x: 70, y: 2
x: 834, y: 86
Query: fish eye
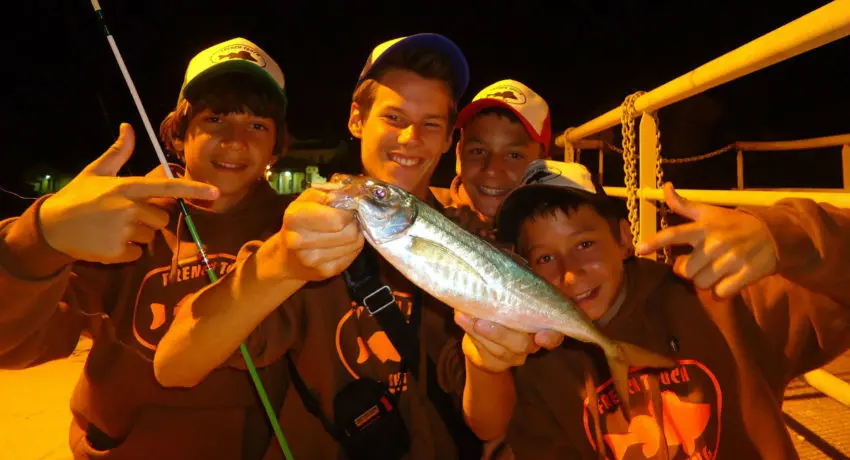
x: 380, y: 193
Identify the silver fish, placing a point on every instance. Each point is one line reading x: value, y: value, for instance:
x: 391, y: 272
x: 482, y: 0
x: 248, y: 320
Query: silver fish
x: 469, y: 274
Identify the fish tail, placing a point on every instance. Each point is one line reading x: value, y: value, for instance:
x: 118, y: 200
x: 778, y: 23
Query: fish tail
x: 623, y: 355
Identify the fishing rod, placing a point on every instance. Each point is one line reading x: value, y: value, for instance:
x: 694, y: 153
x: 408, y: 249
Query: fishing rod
x: 272, y: 415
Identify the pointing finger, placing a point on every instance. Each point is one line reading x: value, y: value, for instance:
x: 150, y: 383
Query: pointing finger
x: 142, y: 188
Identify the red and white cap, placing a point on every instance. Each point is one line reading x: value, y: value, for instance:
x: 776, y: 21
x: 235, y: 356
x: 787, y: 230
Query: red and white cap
x: 531, y: 109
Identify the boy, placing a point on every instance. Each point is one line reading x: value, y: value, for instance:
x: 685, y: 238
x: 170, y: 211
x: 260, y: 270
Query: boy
x: 767, y: 302
x: 346, y: 366
x: 504, y: 129
x: 109, y: 256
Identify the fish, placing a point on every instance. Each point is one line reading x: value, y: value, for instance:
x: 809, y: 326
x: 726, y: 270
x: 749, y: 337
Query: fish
x: 469, y: 274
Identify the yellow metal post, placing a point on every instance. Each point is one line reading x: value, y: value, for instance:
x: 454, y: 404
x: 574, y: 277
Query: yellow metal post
x: 602, y: 165
x: 569, y: 153
x: 740, y: 160
x: 646, y: 163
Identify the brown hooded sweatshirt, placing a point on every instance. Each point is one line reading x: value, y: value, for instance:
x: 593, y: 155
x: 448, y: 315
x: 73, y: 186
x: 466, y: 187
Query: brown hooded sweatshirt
x: 48, y: 300
x: 735, y: 356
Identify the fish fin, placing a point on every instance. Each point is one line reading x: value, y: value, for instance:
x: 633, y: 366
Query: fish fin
x: 623, y: 355
x: 423, y: 247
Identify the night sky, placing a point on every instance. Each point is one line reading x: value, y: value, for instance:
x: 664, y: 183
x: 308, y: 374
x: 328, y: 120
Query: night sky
x: 68, y: 96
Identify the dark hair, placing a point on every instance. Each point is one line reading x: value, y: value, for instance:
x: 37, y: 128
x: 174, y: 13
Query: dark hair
x: 537, y: 202
x: 426, y: 63
x: 224, y: 94
x: 509, y: 115
x: 503, y: 112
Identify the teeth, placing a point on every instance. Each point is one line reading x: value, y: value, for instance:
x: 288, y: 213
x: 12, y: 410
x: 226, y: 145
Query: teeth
x: 227, y: 165
x: 404, y: 161
x: 492, y: 191
x: 584, y: 294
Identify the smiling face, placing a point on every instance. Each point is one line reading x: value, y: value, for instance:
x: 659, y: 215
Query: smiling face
x: 405, y: 131
x: 494, y: 151
x: 578, y: 252
x: 230, y: 151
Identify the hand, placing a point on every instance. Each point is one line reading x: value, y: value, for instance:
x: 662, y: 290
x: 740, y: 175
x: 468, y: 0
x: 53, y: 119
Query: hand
x: 99, y: 217
x: 732, y: 249
x: 321, y: 241
x: 496, y: 348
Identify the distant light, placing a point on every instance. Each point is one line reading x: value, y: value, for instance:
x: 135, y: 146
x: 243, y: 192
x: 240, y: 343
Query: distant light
x: 287, y: 173
x: 47, y: 177
x: 268, y: 173
x: 268, y: 167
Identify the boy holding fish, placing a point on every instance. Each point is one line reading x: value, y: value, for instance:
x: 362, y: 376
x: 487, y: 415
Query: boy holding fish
x: 761, y: 299
x: 503, y: 129
x: 344, y: 364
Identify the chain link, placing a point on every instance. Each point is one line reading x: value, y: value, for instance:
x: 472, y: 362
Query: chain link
x: 627, y: 120
x: 704, y: 156
x: 659, y: 181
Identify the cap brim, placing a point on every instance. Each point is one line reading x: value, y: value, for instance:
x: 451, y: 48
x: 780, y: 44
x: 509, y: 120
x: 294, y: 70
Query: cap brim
x: 457, y: 61
x: 473, y: 108
x: 507, y: 217
x: 234, y: 67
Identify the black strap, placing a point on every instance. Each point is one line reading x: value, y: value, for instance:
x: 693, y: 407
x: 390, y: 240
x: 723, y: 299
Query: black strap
x: 310, y: 401
x: 366, y: 288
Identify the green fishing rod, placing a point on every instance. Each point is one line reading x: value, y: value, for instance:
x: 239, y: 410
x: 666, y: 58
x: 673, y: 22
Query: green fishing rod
x: 252, y: 369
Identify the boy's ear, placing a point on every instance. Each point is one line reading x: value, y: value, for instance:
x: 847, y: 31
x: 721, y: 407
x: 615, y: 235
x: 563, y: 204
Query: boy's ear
x: 178, y: 145
x: 355, y: 121
x: 626, y: 245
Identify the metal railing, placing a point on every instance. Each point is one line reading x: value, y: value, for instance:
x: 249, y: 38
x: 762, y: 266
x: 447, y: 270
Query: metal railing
x: 824, y: 25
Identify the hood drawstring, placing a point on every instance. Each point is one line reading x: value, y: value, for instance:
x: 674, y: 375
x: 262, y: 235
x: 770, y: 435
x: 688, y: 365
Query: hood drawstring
x: 593, y: 403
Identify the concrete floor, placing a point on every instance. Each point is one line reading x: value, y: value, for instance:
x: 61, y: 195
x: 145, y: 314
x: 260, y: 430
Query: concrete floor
x: 34, y: 406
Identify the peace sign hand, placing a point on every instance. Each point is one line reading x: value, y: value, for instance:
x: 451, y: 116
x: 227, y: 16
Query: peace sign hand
x: 731, y: 249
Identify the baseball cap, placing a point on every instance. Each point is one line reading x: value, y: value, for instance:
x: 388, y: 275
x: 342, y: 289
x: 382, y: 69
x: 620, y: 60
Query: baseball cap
x: 439, y: 43
x: 237, y: 55
x: 550, y: 177
x: 529, y: 107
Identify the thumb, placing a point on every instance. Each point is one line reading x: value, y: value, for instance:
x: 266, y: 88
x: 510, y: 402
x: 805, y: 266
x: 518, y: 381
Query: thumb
x: 681, y: 205
x: 114, y: 158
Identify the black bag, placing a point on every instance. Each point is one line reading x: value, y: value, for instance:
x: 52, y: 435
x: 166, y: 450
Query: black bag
x: 368, y: 423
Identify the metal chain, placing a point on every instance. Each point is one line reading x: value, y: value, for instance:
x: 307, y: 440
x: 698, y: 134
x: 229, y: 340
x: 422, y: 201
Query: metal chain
x: 627, y: 120
x: 704, y: 156
x: 659, y: 182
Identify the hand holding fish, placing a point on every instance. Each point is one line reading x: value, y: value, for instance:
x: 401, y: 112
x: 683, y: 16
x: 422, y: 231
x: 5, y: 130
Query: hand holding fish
x: 731, y: 249
x: 496, y: 348
x: 321, y: 241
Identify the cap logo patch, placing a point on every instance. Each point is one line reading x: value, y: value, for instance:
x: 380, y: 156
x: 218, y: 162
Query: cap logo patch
x: 507, y: 93
x: 241, y: 52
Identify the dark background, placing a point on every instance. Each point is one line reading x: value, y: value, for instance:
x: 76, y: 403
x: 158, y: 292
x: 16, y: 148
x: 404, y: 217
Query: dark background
x: 67, y: 96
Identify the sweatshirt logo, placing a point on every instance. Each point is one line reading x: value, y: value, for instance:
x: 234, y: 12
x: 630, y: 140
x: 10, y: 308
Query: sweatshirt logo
x: 362, y: 345
x: 687, y: 427
x: 163, y: 291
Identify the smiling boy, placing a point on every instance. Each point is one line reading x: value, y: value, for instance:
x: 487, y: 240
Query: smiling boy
x: 760, y: 300
x: 111, y: 256
x: 503, y: 129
